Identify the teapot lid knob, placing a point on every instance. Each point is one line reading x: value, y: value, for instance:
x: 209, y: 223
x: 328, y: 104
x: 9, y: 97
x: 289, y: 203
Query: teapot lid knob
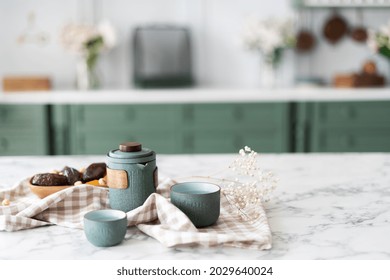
x: 130, y: 147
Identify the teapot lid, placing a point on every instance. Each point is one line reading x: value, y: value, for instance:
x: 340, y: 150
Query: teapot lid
x: 132, y: 150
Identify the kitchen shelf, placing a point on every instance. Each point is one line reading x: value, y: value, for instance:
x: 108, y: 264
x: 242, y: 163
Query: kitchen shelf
x: 343, y: 3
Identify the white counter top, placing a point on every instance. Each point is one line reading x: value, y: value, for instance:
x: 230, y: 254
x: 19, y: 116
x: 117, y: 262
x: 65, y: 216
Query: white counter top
x: 328, y: 206
x: 194, y: 96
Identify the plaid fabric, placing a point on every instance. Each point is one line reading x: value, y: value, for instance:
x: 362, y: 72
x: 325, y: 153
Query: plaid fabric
x: 157, y: 217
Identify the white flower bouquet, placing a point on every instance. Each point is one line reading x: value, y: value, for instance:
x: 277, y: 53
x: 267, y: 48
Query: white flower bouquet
x: 89, y: 42
x: 270, y: 36
x: 379, y: 41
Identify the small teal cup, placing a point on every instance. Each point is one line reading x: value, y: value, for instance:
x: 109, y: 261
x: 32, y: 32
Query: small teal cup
x: 105, y: 228
x: 200, y: 201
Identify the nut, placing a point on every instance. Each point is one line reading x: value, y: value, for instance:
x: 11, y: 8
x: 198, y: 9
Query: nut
x: 82, y: 170
x: 6, y: 202
x: 60, y: 173
x: 102, y: 182
x: 78, y: 183
x: 55, y: 171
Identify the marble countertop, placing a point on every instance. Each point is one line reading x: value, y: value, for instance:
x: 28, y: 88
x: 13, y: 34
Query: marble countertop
x: 196, y: 95
x: 327, y: 206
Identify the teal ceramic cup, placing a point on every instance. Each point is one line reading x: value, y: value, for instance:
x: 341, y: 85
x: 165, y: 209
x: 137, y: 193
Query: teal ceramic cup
x: 200, y: 201
x: 105, y: 228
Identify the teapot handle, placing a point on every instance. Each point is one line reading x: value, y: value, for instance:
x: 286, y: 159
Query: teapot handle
x: 116, y: 179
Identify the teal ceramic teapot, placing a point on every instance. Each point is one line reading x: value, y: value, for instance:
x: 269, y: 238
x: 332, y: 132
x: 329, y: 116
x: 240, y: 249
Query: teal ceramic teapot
x: 131, y: 175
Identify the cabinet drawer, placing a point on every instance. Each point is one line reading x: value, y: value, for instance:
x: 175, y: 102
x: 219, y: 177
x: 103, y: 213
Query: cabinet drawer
x: 23, y: 116
x: 23, y: 144
x: 235, y: 116
x: 126, y: 117
x: 352, y: 113
x: 214, y: 142
x: 352, y: 140
x: 99, y: 144
x: 267, y: 141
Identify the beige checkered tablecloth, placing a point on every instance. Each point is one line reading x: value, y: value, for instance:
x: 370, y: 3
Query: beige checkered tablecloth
x: 157, y: 218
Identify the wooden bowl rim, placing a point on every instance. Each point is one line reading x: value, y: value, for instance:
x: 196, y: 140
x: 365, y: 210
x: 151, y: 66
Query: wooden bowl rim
x: 47, y: 189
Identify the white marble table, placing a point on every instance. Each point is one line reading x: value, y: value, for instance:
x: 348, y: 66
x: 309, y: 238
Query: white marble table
x: 330, y: 206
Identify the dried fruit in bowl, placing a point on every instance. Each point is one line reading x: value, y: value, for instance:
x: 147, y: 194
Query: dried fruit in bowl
x: 49, y: 179
x: 72, y: 175
x: 95, y: 171
x: 45, y: 184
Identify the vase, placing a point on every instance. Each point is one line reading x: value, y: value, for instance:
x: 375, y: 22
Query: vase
x: 269, y: 77
x: 87, y: 76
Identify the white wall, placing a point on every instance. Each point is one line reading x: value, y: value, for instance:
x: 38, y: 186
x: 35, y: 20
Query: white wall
x: 219, y: 59
x: 33, y: 59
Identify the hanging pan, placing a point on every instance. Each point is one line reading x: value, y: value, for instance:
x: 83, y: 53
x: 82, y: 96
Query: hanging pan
x: 335, y: 28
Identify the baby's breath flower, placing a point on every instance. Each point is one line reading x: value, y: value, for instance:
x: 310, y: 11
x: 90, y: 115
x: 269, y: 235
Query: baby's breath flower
x: 251, y: 185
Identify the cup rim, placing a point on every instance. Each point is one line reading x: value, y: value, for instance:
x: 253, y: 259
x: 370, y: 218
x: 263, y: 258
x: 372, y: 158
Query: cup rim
x: 195, y: 182
x: 119, y: 215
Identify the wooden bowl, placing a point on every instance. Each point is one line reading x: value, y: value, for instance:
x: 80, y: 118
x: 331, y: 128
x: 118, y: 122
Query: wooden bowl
x: 43, y: 191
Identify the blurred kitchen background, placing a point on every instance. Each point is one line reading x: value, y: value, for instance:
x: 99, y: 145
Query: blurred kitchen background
x: 188, y: 44
x: 216, y: 27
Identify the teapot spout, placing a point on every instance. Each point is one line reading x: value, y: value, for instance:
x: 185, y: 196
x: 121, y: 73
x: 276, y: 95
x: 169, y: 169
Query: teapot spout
x: 142, y: 166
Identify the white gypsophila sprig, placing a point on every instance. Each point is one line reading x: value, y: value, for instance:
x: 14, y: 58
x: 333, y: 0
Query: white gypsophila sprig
x: 251, y: 186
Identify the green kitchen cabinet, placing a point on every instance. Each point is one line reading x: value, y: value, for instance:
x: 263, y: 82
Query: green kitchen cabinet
x: 60, y: 129
x: 227, y: 127
x: 180, y: 128
x: 358, y: 126
x: 24, y: 129
x: 96, y: 129
x: 267, y: 127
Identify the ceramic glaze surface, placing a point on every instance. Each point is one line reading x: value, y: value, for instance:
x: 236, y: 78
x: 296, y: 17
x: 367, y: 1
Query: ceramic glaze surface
x: 140, y: 179
x: 195, y: 188
x: 105, y: 228
x: 199, y: 201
